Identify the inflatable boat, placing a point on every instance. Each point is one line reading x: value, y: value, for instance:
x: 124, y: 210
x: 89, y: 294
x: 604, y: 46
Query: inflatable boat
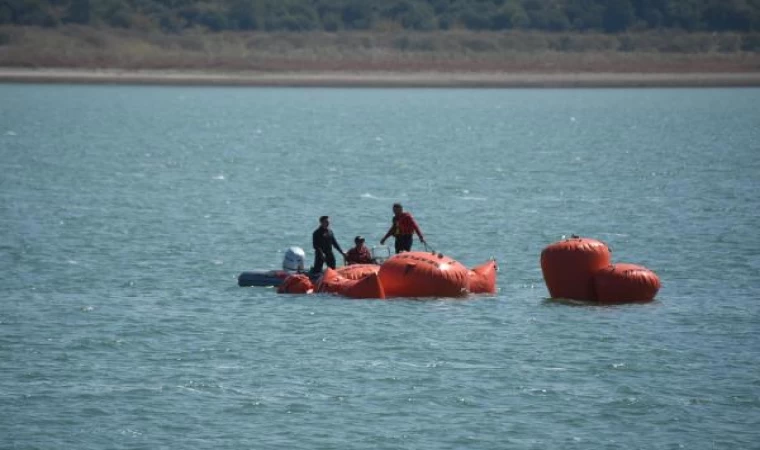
x: 292, y: 263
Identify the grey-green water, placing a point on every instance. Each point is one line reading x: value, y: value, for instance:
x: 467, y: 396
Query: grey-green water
x: 126, y: 214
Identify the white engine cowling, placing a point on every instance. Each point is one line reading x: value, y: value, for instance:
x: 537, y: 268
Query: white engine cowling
x: 295, y: 259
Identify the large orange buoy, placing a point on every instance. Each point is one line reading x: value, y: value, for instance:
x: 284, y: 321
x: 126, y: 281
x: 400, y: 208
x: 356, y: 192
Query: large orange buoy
x: 626, y: 283
x: 482, y: 278
x: 422, y: 274
x: 569, y: 267
x: 296, y: 284
x: 357, y: 271
x: 332, y: 282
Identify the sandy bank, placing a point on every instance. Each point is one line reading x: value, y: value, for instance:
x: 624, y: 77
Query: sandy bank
x: 380, y: 79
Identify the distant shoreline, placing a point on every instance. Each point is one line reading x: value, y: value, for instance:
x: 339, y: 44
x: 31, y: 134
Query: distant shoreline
x: 380, y: 79
x: 515, y: 59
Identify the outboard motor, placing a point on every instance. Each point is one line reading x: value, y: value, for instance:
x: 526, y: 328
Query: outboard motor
x: 294, y: 259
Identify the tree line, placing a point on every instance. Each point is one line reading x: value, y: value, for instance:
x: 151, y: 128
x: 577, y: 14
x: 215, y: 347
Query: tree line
x: 610, y: 16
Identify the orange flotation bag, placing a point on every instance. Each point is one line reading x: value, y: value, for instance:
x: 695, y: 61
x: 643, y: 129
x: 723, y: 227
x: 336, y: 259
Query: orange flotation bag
x: 332, y: 282
x: 357, y: 271
x: 296, y: 284
x: 569, y: 267
x: 482, y: 278
x: 626, y: 283
x: 422, y: 274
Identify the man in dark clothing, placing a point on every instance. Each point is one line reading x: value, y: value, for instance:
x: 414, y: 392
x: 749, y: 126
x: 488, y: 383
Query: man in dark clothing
x: 403, y: 228
x: 323, y: 240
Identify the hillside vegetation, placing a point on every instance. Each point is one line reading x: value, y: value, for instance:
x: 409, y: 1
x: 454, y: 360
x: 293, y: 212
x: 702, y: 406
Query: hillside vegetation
x: 609, y: 16
x: 453, y: 51
x: 639, y: 36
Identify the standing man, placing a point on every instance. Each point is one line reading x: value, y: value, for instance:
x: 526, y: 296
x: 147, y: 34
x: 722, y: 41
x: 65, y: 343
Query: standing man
x: 403, y: 228
x: 323, y: 240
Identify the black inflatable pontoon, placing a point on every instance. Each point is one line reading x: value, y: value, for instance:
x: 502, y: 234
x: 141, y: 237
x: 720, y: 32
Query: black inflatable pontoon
x: 263, y: 278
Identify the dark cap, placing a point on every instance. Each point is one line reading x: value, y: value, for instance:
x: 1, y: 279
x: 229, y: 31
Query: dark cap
x: 359, y: 239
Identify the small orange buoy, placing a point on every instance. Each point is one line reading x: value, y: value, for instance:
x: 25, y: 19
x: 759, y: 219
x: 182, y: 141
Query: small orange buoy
x: 483, y: 278
x: 326, y: 284
x: 296, y: 284
x: 367, y: 287
x: 569, y: 267
x: 332, y: 282
x: 626, y: 283
x: 422, y: 274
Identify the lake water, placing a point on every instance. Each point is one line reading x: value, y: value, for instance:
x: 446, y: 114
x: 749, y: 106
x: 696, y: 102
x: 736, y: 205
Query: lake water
x: 126, y: 214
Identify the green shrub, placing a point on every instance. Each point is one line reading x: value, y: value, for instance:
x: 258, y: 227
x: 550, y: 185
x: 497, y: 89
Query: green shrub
x: 751, y: 43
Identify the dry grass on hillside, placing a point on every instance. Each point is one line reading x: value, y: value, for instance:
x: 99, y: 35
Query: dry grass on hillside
x: 456, y: 51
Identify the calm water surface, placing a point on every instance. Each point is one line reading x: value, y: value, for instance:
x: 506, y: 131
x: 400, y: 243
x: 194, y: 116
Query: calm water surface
x: 126, y: 214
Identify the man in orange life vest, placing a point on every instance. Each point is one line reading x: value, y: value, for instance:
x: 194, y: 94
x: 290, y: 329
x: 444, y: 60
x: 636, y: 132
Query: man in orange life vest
x: 403, y: 228
x: 359, y: 254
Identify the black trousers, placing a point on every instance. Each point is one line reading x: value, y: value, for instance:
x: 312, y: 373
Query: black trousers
x: 404, y: 243
x: 318, y: 261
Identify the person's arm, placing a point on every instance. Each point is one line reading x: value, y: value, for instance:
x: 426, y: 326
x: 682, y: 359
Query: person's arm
x: 389, y: 233
x: 335, y: 244
x: 417, y: 228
